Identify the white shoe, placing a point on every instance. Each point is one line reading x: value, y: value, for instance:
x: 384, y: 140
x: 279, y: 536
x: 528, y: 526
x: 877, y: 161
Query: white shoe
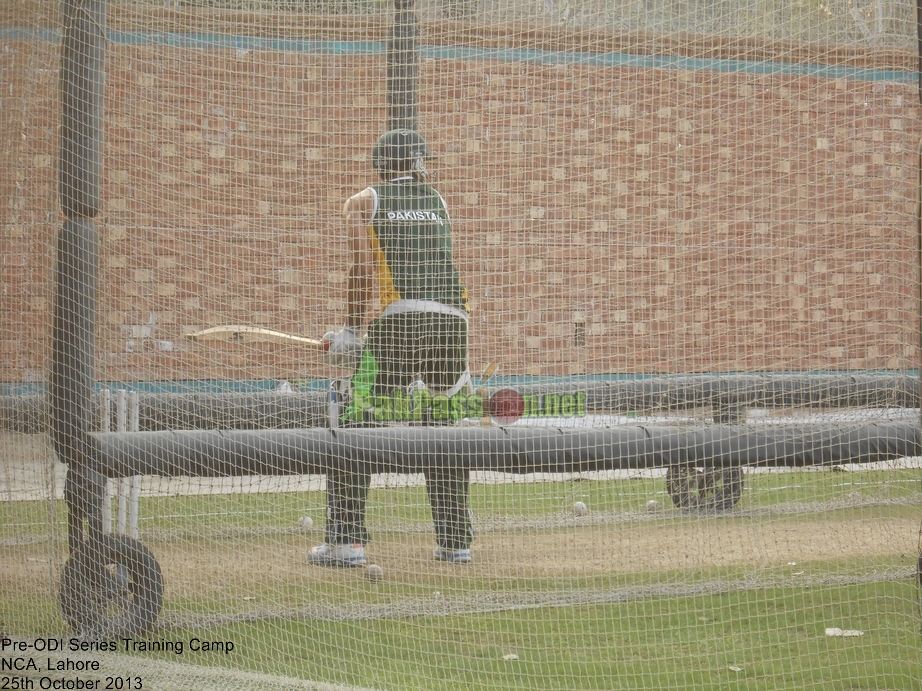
x: 455, y: 556
x: 337, y: 555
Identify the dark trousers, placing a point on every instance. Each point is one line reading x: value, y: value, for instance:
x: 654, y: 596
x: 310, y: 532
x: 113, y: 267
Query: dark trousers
x: 399, y: 349
x: 448, y: 491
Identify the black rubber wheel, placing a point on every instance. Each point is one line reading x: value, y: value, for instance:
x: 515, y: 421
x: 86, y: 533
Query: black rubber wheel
x: 710, y: 489
x: 111, y: 588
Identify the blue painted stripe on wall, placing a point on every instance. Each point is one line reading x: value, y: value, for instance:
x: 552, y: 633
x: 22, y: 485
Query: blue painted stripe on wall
x: 287, y: 45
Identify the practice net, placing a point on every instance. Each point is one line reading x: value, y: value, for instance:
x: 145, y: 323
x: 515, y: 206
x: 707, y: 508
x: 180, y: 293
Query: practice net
x: 688, y: 231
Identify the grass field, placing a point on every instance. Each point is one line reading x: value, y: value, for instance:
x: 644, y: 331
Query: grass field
x: 769, y: 640
x: 520, y: 498
x: 622, y: 598
x: 775, y: 637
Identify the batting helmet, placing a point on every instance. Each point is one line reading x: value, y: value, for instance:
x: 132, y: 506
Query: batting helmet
x: 400, y: 151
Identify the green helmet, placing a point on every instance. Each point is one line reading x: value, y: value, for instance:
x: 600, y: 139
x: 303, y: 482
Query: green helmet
x: 400, y: 151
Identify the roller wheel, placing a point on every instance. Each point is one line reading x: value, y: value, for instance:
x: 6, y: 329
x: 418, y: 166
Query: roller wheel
x: 709, y: 489
x: 111, y: 588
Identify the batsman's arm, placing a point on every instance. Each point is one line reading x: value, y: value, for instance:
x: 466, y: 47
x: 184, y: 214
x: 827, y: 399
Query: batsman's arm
x: 359, y: 210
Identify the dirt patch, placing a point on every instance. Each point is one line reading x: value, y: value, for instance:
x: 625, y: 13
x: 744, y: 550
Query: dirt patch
x: 669, y: 545
x: 677, y: 545
x: 241, y: 573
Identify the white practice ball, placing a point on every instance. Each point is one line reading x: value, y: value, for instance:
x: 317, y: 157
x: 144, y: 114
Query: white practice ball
x: 652, y: 506
x: 306, y: 522
x: 374, y: 573
x: 579, y: 508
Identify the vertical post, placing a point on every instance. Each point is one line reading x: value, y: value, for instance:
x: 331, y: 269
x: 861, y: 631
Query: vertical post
x: 134, y: 500
x: 72, y: 378
x: 107, y: 508
x: 121, y: 410
x: 134, y: 411
x: 123, y: 492
x: 105, y: 423
x: 919, y: 215
x: 105, y: 410
x: 403, y: 68
x: 134, y: 484
x: 121, y: 425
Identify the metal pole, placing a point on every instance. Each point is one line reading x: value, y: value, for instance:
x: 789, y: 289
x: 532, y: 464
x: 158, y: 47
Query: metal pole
x: 121, y: 425
x: 403, y: 68
x: 919, y: 210
x: 134, y: 484
x: 105, y: 405
x: 72, y: 379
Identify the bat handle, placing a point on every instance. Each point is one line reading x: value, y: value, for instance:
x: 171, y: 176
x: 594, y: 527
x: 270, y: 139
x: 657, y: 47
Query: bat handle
x: 334, y: 405
x: 486, y: 420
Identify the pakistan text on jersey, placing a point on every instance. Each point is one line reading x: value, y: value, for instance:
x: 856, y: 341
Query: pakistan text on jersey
x: 420, y: 215
x: 403, y: 407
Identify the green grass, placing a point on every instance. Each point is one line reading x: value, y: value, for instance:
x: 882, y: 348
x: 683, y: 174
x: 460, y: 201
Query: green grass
x: 198, y: 515
x: 775, y: 637
x: 759, y: 618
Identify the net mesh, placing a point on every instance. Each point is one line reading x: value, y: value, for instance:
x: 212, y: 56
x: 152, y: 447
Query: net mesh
x: 688, y: 233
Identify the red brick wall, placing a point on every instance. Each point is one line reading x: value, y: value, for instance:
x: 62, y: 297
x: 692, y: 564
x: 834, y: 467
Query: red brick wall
x: 682, y: 220
x: 28, y: 211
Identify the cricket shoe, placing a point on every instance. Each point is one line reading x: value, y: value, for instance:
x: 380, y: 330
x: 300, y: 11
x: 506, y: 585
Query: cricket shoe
x: 455, y: 556
x: 337, y: 555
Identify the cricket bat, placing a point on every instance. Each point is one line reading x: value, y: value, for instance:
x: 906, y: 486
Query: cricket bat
x: 252, y: 334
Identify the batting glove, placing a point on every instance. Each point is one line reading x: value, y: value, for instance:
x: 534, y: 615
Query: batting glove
x: 342, y: 348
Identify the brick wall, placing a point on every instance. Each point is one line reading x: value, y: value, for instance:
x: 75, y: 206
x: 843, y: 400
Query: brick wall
x: 607, y: 218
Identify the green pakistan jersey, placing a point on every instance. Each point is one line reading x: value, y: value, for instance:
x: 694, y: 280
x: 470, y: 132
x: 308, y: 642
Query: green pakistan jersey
x: 410, y: 235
